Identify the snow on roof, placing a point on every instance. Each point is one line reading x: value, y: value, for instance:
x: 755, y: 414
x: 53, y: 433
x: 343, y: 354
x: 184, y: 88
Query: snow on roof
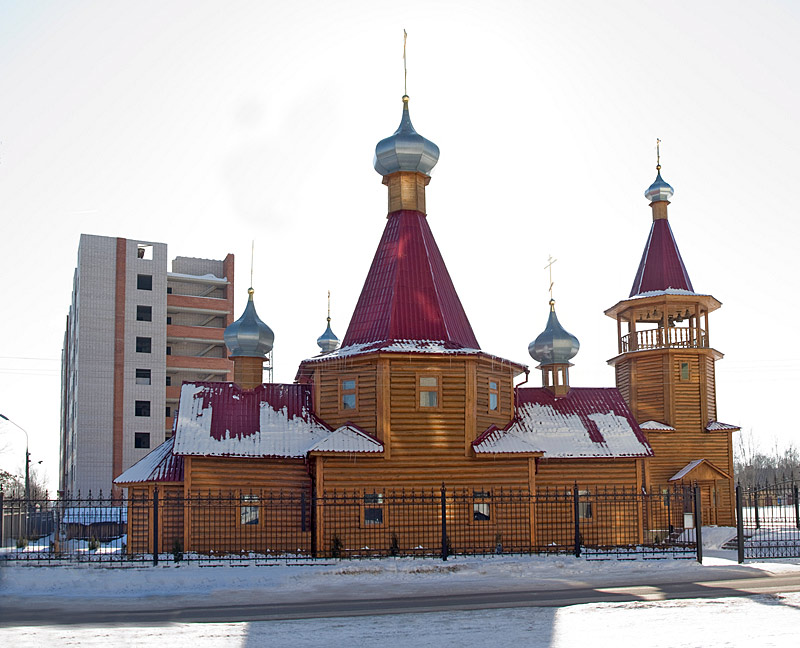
x: 408, y: 346
x: 716, y: 426
x: 348, y: 438
x: 686, y: 469
x: 272, y: 420
x: 94, y: 514
x: 160, y: 465
x: 652, y: 426
x: 585, y: 423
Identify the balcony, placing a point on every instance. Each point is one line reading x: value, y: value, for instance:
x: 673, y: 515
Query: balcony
x: 674, y: 337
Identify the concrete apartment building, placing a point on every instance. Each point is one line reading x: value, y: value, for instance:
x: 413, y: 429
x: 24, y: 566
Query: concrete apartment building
x: 135, y: 331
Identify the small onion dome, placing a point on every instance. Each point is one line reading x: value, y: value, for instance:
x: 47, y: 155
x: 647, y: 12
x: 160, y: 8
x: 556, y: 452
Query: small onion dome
x: 659, y: 191
x: 406, y: 150
x: 248, y: 336
x: 328, y: 341
x: 554, y: 345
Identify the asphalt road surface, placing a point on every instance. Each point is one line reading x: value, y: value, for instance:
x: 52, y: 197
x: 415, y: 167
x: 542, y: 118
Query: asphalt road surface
x: 166, y: 610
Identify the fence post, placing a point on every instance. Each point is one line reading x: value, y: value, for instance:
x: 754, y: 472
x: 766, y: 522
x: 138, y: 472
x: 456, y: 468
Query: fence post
x: 2, y: 518
x: 444, y: 522
x: 755, y: 506
x: 698, y: 524
x: 313, y: 524
x: 796, y: 510
x: 739, y: 525
x: 670, y: 527
x: 576, y: 515
x: 155, y: 525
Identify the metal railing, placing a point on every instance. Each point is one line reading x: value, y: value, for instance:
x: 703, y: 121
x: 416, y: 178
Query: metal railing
x: 768, y: 520
x: 267, y: 525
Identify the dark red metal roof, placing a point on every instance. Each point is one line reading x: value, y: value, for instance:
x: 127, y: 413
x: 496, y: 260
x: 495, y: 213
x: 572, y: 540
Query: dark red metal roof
x: 408, y: 293
x: 238, y: 411
x: 661, y: 266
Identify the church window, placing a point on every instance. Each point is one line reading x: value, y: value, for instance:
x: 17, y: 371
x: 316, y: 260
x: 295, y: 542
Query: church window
x: 348, y: 394
x: 684, y: 371
x: 249, y: 509
x: 481, y: 511
x: 493, y: 396
x: 428, y: 389
x: 373, y: 508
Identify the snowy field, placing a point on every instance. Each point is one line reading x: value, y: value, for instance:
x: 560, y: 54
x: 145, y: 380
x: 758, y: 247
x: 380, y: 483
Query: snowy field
x: 759, y: 620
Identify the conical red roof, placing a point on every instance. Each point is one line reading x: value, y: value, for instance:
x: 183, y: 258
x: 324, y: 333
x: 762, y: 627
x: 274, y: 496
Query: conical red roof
x: 661, y: 267
x: 408, y: 293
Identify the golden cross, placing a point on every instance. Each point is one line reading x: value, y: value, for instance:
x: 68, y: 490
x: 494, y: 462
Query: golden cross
x: 549, y: 266
x: 658, y: 154
x: 405, y: 69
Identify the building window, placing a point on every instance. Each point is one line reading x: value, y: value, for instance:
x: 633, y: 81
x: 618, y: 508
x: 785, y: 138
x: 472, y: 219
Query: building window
x: 169, y: 412
x: 584, y: 505
x: 169, y: 350
x: 141, y: 440
x: 481, y: 511
x: 144, y: 252
x: 493, y: 396
x: 428, y: 387
x: 143, y: 344
x: 373, y: 508
x: 249, y: 509
x: 144, y: 282
x: 142, y: 376
x: 142, y: 408
x: 684, y: 371
x: 348, y: 394
x: 144, y: 313
x: 169, y: 290
x: 169, y: 380
x: 169, y: 320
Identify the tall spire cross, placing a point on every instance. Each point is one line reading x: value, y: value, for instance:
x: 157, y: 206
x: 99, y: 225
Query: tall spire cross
x: 549, y: 267
x: 405, y: 68
x: 252, y: 256
x: 329, y: 307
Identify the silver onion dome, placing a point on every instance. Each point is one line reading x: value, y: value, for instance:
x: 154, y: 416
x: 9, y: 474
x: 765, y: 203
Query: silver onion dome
x: 328, y: 341
x: 248, y: 336
x: 659, y: 191
x: 406, y: 150
x: 554, y: 345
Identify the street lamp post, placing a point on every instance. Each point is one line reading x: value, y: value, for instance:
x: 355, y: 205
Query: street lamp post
x: 27, y: 457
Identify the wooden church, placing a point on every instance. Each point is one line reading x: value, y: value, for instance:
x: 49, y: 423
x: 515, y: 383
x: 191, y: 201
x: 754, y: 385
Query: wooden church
x: 409, y: 401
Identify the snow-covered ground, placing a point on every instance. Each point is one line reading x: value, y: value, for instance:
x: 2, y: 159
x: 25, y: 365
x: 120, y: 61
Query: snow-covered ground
x: 764, y: 620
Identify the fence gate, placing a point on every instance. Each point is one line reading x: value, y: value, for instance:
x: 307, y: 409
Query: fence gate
x: 768, y: 521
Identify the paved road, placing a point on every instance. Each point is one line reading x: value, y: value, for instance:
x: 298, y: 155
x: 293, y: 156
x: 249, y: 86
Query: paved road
x: 166, y: 611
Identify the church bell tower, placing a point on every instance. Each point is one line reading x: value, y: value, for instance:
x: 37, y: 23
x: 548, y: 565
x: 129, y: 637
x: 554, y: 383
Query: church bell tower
x: 665, y: 368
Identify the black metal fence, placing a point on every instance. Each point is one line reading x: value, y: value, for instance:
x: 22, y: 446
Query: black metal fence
x: 768, y: 521
x: 268, y: 525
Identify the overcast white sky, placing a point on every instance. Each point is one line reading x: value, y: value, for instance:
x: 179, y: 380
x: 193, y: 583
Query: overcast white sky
x: 206, y: 125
